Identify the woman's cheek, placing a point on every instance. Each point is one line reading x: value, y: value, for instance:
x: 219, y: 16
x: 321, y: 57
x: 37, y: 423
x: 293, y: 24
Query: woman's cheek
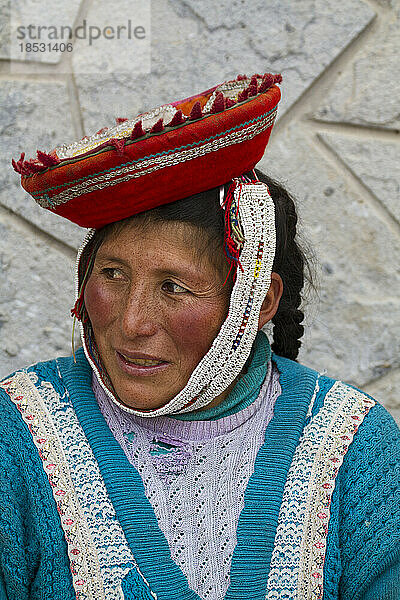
x: 197, y: 327
x: 100, y: 302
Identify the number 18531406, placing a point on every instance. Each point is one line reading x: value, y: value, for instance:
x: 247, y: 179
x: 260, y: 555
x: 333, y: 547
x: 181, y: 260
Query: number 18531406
x: 26, y: 47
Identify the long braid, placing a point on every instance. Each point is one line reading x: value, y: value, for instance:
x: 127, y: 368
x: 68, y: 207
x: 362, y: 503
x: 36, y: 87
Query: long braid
x: 290, y: 263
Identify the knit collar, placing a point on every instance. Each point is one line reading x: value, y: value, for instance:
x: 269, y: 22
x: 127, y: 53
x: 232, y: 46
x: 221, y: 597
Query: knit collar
x: 246, y: 389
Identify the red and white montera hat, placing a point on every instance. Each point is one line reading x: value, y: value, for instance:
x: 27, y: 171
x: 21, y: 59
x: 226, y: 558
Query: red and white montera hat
x: 178, y: 149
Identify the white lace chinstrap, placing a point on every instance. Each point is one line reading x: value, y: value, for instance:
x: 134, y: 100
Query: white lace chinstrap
x: 195, y: 474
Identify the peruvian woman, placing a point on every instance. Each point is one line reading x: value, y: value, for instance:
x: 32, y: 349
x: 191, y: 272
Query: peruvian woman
x: 180, y: 453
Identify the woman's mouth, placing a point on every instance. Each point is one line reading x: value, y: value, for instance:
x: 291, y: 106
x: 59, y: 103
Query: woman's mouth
x: 142, y: 361
x: 139, y: 365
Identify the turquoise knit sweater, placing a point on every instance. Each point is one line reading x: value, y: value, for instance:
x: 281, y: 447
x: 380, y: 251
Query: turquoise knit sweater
x: 363, y: 544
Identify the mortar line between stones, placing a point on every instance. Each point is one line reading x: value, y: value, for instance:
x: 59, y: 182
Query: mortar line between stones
x: 76, y: 111
x: 81, y: 13
x: 392, y: 372
x: 308, y: 102
x: 23, y: 225
x: 361, y: 189
x: 191, y: 13
x: 51, y: 74
x: 34, y: 71
x: 352, y: 130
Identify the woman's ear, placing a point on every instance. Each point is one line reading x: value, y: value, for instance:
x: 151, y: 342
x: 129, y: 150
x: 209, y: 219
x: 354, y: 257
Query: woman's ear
x: 271, y: 300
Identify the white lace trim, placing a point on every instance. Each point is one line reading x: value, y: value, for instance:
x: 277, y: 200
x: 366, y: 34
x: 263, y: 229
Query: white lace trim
x: 297, y: 562
x: 99, y: 555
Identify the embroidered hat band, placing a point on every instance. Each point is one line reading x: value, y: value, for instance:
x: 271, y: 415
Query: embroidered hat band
x: 179, y: 149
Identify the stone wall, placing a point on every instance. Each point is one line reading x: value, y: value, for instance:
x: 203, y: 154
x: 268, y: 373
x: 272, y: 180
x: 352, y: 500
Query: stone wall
x: 334, y: 147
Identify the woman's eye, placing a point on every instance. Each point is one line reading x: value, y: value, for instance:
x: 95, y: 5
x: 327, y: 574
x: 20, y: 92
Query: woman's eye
x: 112, y: 273
x: 173, y: 288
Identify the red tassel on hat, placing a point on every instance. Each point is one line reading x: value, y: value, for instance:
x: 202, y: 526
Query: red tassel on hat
x: 137, y: 131
x: 229, y: 102
x: 47, y: 159
x: 177, y: 119
x: 196, y: 112
x: 266, y: 82
x: 219, y: 103
x: 33, y: 167
x: 119, y: 144
x: 157, y: 127
x: 27, y: 167
x: 254, y: 80
x: 252, y: 90
x: 17, y: 165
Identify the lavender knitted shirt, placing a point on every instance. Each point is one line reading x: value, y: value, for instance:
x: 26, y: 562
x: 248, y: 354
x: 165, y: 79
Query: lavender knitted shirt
x: 195, y: 474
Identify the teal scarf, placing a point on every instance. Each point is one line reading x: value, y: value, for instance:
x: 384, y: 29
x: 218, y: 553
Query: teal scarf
x: 246, y: 389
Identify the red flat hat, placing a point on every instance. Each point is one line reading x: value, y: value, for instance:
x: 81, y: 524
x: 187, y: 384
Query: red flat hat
x: 164, y: 155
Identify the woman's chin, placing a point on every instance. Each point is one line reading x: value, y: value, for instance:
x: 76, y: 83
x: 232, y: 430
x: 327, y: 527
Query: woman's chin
x: 138, y: 388
x: 142, y: 401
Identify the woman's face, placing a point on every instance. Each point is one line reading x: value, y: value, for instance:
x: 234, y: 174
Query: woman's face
x: 155, y: 310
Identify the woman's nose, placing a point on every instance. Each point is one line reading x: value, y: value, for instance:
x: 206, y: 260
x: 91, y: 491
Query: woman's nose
x: 139, y: 315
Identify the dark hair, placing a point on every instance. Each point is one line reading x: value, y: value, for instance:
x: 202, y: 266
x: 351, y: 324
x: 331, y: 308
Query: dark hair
x: 292, y: 265
x: 204, y: 212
